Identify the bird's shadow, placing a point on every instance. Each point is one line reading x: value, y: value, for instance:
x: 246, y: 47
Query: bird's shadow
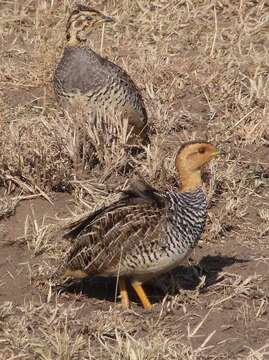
x: 183, y: 277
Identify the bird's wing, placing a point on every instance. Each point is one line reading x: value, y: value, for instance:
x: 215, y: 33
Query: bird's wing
x: 125, y: 81
x: 83, y: 71
x: 106, y: 235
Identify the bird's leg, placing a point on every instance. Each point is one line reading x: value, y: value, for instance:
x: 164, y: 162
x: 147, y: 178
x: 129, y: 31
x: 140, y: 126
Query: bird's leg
x: 142, y: 295
x: 123, y: 293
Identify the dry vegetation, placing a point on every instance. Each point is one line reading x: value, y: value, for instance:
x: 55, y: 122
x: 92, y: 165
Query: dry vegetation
x: 203, y: 67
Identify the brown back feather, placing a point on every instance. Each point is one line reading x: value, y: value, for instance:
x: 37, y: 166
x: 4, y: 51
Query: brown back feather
x: 139, y: 192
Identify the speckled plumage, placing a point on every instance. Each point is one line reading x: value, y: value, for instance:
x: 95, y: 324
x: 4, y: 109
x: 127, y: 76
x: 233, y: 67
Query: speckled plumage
x: 145, y: 233
x: 85, y: 76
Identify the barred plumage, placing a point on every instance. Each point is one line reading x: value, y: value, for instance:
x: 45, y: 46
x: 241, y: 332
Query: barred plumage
x: 84, y: 76
x: 146, y: 232
x: 132, y: 226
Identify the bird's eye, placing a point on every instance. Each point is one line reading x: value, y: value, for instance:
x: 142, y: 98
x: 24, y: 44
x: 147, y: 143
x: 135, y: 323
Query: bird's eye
x: 78, y: 23
x: 89, y: 18
x: 202, y: 150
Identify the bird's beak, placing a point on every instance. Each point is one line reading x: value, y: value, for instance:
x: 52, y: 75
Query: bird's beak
x: 108, y: 19
x: 218, y: 152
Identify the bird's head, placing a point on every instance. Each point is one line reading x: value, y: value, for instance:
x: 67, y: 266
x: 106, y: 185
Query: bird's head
x: 191, y: 157
x: 82, y: 20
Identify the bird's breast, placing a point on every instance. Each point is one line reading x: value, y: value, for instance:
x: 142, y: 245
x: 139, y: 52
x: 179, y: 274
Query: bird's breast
x: 165, y: 263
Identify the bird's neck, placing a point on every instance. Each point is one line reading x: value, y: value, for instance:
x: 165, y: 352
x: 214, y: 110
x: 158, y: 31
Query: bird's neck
x: 190, y: 181
x: 75, y: 41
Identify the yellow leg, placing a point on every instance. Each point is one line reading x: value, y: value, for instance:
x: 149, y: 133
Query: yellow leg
x: 123, y: 293
x: 142, y: 295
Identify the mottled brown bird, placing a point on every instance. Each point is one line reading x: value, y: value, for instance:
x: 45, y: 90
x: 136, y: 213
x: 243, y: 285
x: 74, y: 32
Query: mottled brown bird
x: 145, y: 233
x: 84, y: 76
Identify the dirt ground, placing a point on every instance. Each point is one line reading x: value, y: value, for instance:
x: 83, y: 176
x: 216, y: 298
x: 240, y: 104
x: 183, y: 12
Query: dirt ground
x: 202, y: 67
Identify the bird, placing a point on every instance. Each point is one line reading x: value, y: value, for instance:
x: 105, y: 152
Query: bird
x: 99, y: 84
x: 146, y: 232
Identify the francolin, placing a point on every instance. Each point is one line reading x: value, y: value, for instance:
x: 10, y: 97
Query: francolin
x: 97, y: 84
x: 145, y: 233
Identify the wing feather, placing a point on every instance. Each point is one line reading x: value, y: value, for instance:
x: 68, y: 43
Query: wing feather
x: 111, y: 232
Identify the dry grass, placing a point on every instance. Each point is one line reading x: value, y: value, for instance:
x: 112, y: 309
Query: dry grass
x: 203, y: 70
